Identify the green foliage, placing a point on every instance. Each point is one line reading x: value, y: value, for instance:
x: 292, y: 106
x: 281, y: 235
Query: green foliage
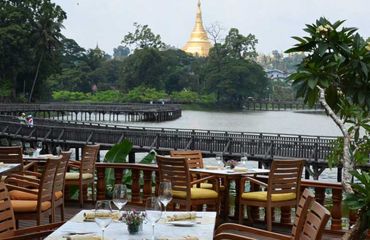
x: 68, y: 96
x: 143, y: 37
x: 239, y: 46
x: 143, y: 94
x: 185, y: 96
x: 337, y: 61
x: 360, y: 200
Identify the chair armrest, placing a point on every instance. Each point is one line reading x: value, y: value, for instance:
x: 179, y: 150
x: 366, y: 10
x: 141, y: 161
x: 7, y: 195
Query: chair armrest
x: 253, y: 180
x: 214, y: 179
x: 222, y: 236
x: 33, y: 232
x: 28, y: 165
x: 19, y: 188
x: 245, y: 230
x: 36, y: 174
x: 17, y: 177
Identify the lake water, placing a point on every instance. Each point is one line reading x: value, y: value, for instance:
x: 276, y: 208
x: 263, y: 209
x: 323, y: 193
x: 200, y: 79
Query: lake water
x: 288, y: 122
x: 247, y: 121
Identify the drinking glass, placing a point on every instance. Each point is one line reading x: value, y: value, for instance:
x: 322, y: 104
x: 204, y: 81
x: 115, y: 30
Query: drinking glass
x: 120, y: 196
x: 219, y: 160
x: 165, y: 194
x: 103, y: 214
x: 153, y: 211
x: 38, y: 148
x: 244, y: 159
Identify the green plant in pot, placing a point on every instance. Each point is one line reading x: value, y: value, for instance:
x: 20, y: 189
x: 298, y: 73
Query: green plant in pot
x: 118, y: 154
x: 359, y: 201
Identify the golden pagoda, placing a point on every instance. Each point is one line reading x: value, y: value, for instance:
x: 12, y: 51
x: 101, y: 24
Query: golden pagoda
x: 198, y: 43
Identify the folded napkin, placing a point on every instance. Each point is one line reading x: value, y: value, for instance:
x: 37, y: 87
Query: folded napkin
x: 240, y: 169
x: 84, y: 237
x: 181, y: 216
x: 212, y: 167
x: 1, y: 163
x: 179, y: 238
x: 90, y: 215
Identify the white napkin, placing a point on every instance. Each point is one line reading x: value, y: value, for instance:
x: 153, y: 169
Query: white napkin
x: 182, y: 216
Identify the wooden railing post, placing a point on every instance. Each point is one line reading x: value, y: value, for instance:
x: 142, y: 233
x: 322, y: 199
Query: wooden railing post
x: 135, y: 187
x: 320, y: 195
x: 147, y: 189
x: 101, y: 183
x: 118, y: 173
x: 285, y: 215
x: 336, y: 211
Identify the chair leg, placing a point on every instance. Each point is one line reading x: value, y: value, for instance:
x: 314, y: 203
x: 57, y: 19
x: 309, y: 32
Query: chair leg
x: 81, y: 196
x: 93, y: 193
x: 62, y: 212
x: 241, y: 213
x: 269, y: 218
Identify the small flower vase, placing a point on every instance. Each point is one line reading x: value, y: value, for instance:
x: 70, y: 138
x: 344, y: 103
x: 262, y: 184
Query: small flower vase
x: 133, y: 228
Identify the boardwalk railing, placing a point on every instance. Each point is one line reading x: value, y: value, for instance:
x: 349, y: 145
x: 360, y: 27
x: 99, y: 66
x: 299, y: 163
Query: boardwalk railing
x: 147, y: 172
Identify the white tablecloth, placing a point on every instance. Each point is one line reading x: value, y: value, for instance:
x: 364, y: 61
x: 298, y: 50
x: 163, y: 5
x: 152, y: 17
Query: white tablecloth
x: 117, y: 230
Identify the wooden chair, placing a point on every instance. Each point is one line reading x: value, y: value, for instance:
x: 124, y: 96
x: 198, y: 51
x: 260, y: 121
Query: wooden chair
x: 59, y: 182
x: 14, y: 155
x: 313, y: 228
x: 25, y: 209
x: 195, y: 160
x: 303, y: 207
x: 7, y: 222
x: 176, y: 171
x: 282, y: 189
x: 86, y: 171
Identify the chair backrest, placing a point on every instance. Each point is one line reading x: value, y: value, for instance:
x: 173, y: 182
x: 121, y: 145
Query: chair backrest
x: 7, y: 220
x: 195, y: 159
x: 60, y: 174
x: 315, y: 222
x: 174, y: 170
x: 304, y: 205
x: 89, y: 157
x: 45, y: 192
x: 285, y: 177
x: 11, y: 154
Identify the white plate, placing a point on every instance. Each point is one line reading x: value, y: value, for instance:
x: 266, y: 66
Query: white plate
x: 183, y: 223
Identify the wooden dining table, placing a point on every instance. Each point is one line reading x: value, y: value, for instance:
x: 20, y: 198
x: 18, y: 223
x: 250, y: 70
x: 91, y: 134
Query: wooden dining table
x: 202, y: 228
x: 228, y: 176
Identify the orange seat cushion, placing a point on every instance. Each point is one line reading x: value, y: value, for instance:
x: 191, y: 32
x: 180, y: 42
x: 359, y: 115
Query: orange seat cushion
x: 196, y: 193
x: 23, y: 206
x: 20, y: 195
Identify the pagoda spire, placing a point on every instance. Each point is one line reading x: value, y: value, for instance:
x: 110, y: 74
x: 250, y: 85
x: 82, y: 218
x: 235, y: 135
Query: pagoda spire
x: 198, y: 43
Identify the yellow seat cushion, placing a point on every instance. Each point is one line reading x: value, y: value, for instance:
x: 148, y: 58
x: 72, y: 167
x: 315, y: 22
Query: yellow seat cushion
x: 20, y: 195
x: 262, y: 196
x: 196, y: 193
x: 28, y: 205
x: 76, y: 175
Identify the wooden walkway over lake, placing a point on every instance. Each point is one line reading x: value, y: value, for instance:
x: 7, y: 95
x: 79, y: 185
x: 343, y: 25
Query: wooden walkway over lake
x: 96, y: 112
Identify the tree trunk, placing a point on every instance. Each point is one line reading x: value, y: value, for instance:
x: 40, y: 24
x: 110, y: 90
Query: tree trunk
x: 36, y: 76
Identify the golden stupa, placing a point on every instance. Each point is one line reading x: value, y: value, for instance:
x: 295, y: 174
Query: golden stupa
x: 198, y: 43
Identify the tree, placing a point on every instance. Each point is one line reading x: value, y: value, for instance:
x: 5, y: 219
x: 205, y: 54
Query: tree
x: 239, y: 46
x: 46, y: 33
x: 143, y: 37
x: 336, y: 73
x: 120, y: 52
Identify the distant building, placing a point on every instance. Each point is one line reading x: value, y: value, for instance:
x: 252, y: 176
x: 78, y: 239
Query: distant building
x: 198, y: 43
x: 275, y: 74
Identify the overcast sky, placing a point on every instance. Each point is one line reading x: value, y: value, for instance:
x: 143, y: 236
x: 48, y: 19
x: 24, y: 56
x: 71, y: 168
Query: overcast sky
x: 272, y: 21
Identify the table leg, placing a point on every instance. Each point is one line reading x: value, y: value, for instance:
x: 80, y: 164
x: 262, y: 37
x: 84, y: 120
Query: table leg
x: 237, y: 196
x: 226, y: 198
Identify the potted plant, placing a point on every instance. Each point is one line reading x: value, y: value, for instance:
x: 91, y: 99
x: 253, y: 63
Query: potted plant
x: 134, y: 220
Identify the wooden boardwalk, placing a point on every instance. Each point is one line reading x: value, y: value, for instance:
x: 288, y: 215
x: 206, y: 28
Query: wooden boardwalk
x: 72, y: 208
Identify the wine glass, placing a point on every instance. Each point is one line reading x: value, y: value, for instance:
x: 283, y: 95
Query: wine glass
x: 103, y: 214
x: 165, y: 194
x: 38, y: 148
x: 219, y: 160
x: 120, y: 196
x: 153, y: 211
x: 244, y: 159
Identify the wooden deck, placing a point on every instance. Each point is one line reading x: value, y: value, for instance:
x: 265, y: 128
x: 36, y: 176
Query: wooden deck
x: 72, y: 208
